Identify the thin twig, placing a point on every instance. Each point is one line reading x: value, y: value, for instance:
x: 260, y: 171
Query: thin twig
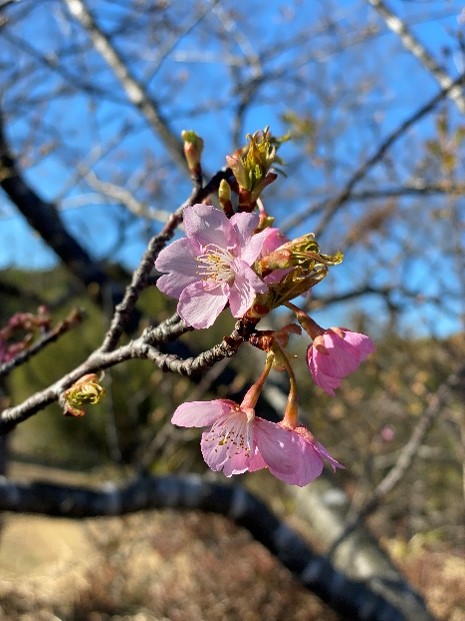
x: 135, y: 91
x: 406, y: 456
x: 101, y: 359
x: 330, y: 207
x: 74, y: 317
x: 413, y: 45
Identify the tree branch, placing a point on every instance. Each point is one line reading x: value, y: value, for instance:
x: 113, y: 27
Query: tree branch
x: 329, y: 208
x: 352, y: 599
x: 415, y: 47
x: 44, y: 218
x: 135, y: 92
x: 101, y: 359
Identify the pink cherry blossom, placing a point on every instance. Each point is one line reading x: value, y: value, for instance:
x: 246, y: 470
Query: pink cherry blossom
x: 211, y: 266
x: 237, y: 441
x: 334, y: 354
x: 273, y: 241
x: 311, y: 457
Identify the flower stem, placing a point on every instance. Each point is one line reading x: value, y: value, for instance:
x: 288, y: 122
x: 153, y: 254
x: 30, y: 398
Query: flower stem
x: 311, y: 327
x: 292, y: 406
x: 252, y: 395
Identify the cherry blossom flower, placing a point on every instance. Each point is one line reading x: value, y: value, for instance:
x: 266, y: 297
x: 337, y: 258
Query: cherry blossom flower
x: 334, y: 354
x: 237, y: 441
x: 312, y: 455
x: 211, y: 266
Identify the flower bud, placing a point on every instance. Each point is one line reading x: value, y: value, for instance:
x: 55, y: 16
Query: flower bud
x: 251, y: 165
x: 224, y: 197
x: 193, y: 147
x: 86, y: 390
x: 302, y: 251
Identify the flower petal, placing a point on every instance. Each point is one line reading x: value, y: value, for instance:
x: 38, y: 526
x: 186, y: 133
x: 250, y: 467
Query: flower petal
x: 206, y: 225
x: 256, y: 461
x: 201, y: 413
x: 243, y: 226
x: 276, y: 276
x: 310, y: 464
x: 179, y: 259
x: 324, y: 453
x: 327, y: 382
x: 253, y: 247
x: 341, y: 358
x: 277, y: 447
x: 292, y: 455
x: 228, y: 444
x: 274, y: 240
x: 244, y: 289
x: 199, y: 305
x: 361, y: 342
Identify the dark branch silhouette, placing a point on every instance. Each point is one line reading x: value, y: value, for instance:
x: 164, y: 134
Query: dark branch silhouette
x: 352, y: 599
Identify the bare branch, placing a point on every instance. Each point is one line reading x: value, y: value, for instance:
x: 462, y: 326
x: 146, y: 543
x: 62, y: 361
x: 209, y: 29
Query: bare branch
x: 411, y: 43
x: 352, y: 599
x: 329, y: 208
x: 74, y: 317
x: 126, y: 198
x: 44, y: 218
x: 135, y: 91
x: 101, y: 359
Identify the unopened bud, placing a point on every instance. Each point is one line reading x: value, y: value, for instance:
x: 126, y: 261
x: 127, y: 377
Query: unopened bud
x: 302, y: 251
x: 224, y: 197
x: 193, y: 147
x: 251, y: 165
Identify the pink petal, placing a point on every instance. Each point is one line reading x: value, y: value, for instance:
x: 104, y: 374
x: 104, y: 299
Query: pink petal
x: 341, y: 358
x: 242, y: 227
x: 206, y: 225
x: 253, y: 247
x: 201, y: 413
x: 199, y: 305
x: 310, y: 465
x: 327, y: 382
x: 361, y: 342
x: 324, y: 453
x: 274, y: 240
x: 244, y: 289
x: 179, y: 259
x: 278, y: 448
x: 228, y: 444
x: 256, y: 461
x: 276, y: 276
x: 311, y: 447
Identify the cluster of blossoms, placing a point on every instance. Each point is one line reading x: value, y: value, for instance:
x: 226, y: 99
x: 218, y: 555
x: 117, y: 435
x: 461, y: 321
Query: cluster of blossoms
x: 237, y: 259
